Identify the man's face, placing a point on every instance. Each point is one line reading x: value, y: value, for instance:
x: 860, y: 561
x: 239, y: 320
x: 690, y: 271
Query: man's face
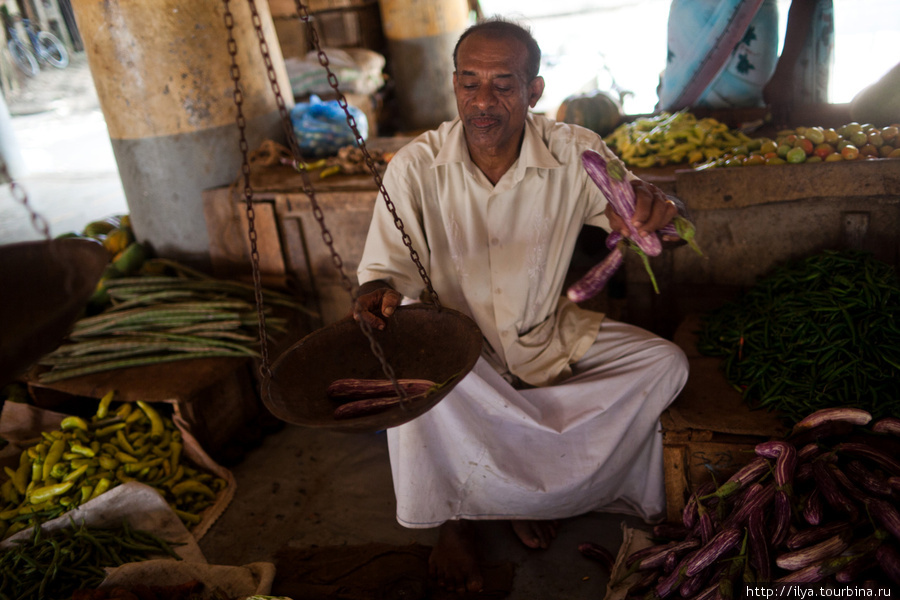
x: 493, y: 92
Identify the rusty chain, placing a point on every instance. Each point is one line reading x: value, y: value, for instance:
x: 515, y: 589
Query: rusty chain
x: 264, y: 367
x: 21, y: 196
x: 307, y: 184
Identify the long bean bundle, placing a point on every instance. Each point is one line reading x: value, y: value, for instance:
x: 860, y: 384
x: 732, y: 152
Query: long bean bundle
x: 178, y: 314
x: 819, y: 332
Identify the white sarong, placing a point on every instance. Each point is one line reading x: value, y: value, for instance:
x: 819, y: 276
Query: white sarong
x: 591, y: 443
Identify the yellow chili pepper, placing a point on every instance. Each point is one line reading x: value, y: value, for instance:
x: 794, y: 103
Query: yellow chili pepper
x: 101, y: 487
x: 73, y: 422
x: 157, y: 427
x: 53, y: 456
x: 192, y: 486
x: 103, y: 407
x: 43, y: 494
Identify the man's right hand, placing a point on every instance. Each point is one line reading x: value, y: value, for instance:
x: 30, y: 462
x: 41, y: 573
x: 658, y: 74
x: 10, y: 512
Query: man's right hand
x: 376, y: 305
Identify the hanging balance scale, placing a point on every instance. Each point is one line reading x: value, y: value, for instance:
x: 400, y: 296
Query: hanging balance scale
x: 420, y: 341
x: 45, y: 286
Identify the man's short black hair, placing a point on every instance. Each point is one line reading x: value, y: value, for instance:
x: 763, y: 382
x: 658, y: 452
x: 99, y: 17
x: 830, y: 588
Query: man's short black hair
x: 499, y: 27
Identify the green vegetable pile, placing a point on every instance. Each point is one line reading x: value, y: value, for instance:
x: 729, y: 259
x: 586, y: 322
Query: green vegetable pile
x: 166, y: 313
x: 817, y: 332
x: 55, y: 564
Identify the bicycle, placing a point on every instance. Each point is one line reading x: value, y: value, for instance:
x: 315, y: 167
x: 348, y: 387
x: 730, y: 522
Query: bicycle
x: 45, y: 48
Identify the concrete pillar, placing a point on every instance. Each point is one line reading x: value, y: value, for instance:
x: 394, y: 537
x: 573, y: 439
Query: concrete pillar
x: 421, y: 36
x: 163, y: 78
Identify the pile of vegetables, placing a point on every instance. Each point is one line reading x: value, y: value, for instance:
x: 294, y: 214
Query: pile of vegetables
x: 672, y: 139
x: 852, y: 141
x: 167, y: 312
x: 818, y: 332
x: 819, y: 506
x: 86, y: 457
x: 54, y: 565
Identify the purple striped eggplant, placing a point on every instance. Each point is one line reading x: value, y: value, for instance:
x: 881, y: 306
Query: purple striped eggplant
x: 597, y: 277
x: 670, y: 531
x: 856, y: 568
x: 831, y: 492
x: 804, y: 557
x: 889, y: 425
x: 869, y: 452
x: 706, y: 527
x: 827, y: 431
x: 744, y: 476
x: 816, y: 572
x: 371, y: 406
x: 846, y: 414
x: 785, y: 456
x: 848, y: 486
x: 867, y: 479
x: 718, y: 547
x: 758, y: 497
x: 358, y: 389
x: 886, y: 513
x: 758, y: 543
x: 609, y: 177
x: 813, y: 507
x: 598, y: 553
x: 658, y: 559
x: 889, y: 559
x: 815, y: 534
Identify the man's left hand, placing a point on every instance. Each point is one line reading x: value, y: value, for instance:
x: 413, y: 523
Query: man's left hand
x: 653, y: 210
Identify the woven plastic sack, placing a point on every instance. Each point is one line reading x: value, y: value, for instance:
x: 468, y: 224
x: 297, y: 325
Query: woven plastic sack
x: 321, y: 126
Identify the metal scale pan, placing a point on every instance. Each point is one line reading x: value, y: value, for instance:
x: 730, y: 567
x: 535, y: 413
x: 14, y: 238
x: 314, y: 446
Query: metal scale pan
x: 44, y: 288
x: 421, y: 342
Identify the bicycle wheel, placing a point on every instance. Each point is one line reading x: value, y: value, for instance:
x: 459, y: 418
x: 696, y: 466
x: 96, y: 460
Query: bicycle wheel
x: 52, y: 50
x: 23, y: 58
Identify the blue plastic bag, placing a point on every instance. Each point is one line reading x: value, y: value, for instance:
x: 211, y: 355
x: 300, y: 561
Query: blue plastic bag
x: 321, y: 127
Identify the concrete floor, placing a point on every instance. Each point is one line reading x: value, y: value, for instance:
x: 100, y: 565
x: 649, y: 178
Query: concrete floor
x: 300, y: 487
x: 307, y: 487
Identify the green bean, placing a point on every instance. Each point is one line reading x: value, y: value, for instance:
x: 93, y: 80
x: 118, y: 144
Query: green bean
x: 813, y: 333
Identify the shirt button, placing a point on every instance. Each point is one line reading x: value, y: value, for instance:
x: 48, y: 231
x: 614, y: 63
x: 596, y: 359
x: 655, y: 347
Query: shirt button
x: 495, y: 241
x: 498, y: 291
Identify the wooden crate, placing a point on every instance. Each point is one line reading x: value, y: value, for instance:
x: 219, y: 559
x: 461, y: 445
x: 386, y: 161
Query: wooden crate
x: 708, y: 432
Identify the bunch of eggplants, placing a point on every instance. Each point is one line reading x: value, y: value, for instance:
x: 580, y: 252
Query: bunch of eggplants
x: 609, y: 176
x: 816, y: 507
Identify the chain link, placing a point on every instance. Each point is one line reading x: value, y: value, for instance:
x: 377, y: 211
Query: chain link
x: 21, y: 196
x: 308, y: 189
x: 361, y: 143
x: 264, y: 367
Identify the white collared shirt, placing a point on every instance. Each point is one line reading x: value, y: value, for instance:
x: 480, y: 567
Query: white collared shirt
x: 500, y: 253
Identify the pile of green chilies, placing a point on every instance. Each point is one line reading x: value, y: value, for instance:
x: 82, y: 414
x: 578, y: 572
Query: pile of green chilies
x: 177, y: 315
x: 52, y: 565
x: 819, y: 332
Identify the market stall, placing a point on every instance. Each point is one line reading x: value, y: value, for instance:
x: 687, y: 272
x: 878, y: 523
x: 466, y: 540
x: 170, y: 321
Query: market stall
x: 779, y: 452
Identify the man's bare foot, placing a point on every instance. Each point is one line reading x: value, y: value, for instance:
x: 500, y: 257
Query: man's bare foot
x: 454, y: 560
x: 536, y: 534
